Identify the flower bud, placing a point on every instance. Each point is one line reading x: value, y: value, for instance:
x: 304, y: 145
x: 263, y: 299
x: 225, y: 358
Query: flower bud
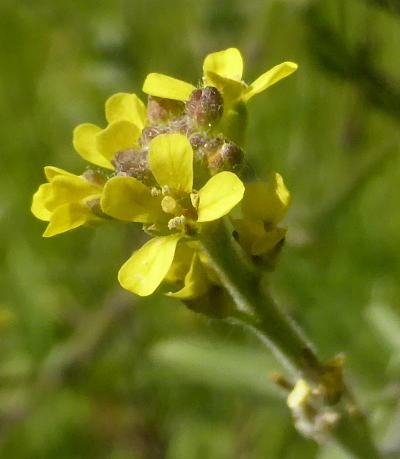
x: 197, y: 141
x: 94, y: 177
x: 94, y: 205
x: 182, y: 125
x: 205, y: 106
x: 133, y: 163
x: 150, y: 132
x: 161, y: 110
x: 228, y: 157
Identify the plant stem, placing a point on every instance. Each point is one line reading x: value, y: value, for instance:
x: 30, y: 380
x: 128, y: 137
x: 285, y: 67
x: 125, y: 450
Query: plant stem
x: 258, y: 312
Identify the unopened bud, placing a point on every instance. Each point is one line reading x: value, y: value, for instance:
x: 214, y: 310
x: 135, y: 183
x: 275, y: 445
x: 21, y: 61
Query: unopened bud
x: 162, y: 110
x: 205, y: 106
x: 229, y: 157
x: 94, y: 177
x: 94, y: 205
x: 133, y: 163
x: 197, y: 141
x: 182, y: 125
x: 150, y: 132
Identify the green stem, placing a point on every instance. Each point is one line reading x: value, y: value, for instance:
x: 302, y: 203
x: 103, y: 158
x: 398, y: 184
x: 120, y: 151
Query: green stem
x: 257, y: 311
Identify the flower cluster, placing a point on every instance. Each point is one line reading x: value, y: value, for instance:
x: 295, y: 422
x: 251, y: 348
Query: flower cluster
x: 173, y: 166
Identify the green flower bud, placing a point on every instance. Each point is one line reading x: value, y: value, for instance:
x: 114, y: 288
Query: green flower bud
x: 205, y: 106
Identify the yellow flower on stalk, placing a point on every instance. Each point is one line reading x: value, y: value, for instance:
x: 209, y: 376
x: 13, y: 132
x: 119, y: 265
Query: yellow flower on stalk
x: 68, y: 200
x: 224, y: 70
x: 190, y: 271
x: 173, y: 209
x: 200, y: 288
x: 126, y: 117
x: 263, y: 208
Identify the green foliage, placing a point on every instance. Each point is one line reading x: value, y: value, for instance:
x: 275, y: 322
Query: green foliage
x: 87, y: 371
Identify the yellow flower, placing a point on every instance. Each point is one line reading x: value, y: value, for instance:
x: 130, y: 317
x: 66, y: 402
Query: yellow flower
x: 126, y: 115
x: 173, y: 209
x: 223, y: 70
x: 67, y: 201
x: 200, y: 288
x: 263, y: 207
x: 190, y: 271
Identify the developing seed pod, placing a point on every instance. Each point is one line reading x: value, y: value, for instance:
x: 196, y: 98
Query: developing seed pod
x: 133, y: 163
x: 227, y: 157
x: 205, y: 106
x: 162, y: 110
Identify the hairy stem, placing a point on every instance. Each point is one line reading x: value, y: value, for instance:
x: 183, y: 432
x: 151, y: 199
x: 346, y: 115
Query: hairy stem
x: 259, y: 313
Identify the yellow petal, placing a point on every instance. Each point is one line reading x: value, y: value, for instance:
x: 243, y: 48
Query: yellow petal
x: 118, y: 136
x: 67, y: 189
x: 84, y: 144
x: 68, y: 217
x: 247, y: 231
x: 39, y: 208
x: 125, y: 198
x: 146, y: 268
x: 268, y: 203
x: 269, y: 78
x: 51, y: 172
x: 227, y: 64
x: 269, y: 240
x: 231, y: 89
x: 219, y: 195
x: 124, y: 106
x: 167, y: 87
x: 171, y: 161
x: 181, y: 264
x: 196, y: 282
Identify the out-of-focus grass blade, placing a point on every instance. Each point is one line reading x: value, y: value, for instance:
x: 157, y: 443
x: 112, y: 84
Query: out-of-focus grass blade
x: 219, y: 365
x: 386, y: 322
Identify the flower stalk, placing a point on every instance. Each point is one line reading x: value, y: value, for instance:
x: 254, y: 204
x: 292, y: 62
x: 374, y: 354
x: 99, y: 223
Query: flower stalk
x: 258, y: 312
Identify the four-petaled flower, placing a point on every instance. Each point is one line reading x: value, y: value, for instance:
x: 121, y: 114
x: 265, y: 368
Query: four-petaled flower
x: 263, y: 208
x: 68, y: 200
x: 222, y: 70
x: 126, y: 117
x: 172, y: 210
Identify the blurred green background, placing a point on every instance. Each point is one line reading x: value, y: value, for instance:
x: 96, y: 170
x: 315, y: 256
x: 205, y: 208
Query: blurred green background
x: 89, y: 371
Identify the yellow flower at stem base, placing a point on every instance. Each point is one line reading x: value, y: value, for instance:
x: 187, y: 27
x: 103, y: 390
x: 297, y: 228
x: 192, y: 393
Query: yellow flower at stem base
x: 173, y: 210
x: 263, y: 208
x: 68, y: 200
